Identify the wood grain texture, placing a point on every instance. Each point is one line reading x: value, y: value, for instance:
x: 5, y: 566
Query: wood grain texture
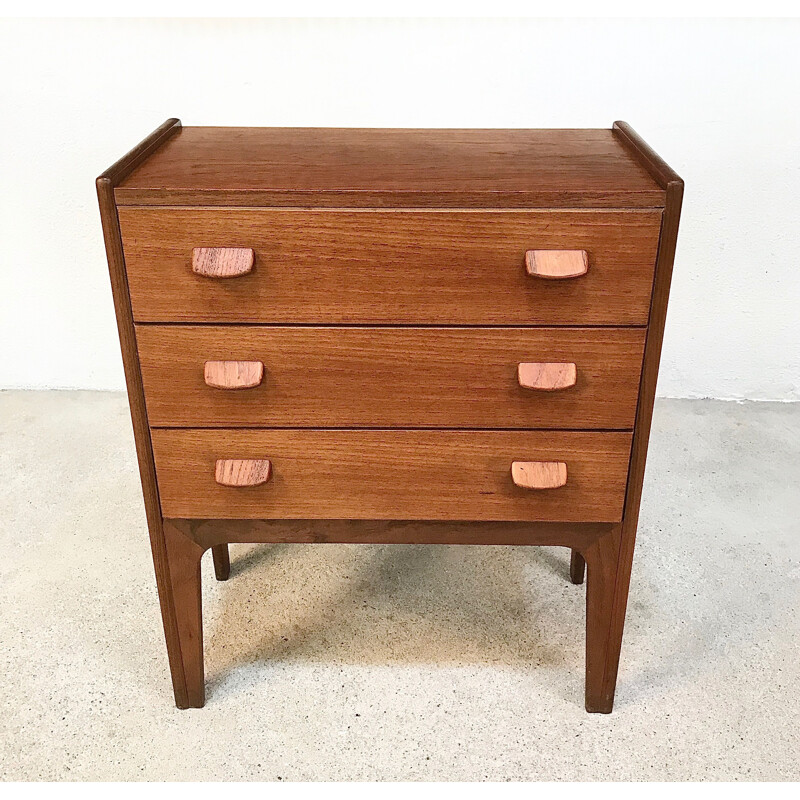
x: 428, y: 267
x: 183, y: 556
x: 242, y: 471
x: 127, y: 336
x: 557, y: 265
x: 391, y: 377
x: 539, y: 474
x: 211, y: 532
x: 376, y: 168
x: 222, y: 262
x: 606, y: 663
x: 390, y: 474
x: 661, y: 172
x: 547, y: 377
x: 602, y: 560
x: 438, y: 268
x: 233, y: 374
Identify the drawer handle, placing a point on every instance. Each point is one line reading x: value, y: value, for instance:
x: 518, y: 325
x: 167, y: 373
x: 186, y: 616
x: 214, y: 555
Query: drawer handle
x: 557, y: 264
x: 233, y: 374
x: 222, y: 262
x: 539, y: 474
x: 547, y: 377
x: 242, y: 471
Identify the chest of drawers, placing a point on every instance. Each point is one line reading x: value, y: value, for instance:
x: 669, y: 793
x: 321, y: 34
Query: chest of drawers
x: 455, y: 327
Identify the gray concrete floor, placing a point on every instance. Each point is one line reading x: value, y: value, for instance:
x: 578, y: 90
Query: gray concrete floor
x: 377, y: 662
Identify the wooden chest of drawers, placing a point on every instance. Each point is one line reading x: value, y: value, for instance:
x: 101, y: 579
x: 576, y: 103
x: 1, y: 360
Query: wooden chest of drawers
x: 443, y: 325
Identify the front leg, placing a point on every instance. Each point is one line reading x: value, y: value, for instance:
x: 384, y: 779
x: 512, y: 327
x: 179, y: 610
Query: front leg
x: 183, y: 564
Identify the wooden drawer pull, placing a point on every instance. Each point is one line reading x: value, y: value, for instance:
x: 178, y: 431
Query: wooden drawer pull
x: 233, y: 374
x: 547, y: 377
x: 242, y: 471
x: 557, y: 264
x: 222, y: 262
x: 539, y: 474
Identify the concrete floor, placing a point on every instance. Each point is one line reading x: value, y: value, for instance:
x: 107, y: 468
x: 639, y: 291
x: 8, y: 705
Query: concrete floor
x: 408, y: 663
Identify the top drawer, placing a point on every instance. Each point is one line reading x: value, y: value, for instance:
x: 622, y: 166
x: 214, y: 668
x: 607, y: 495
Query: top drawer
x: 373, y: 267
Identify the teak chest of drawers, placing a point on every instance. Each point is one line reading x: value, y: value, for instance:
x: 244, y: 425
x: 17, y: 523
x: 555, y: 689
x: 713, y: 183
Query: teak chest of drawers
x: 432, y: 325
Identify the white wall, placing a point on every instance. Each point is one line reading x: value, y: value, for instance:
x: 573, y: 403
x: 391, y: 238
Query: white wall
x: 717, y: 98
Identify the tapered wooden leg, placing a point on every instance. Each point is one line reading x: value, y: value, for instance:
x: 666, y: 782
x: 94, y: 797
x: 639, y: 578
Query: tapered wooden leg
x: 183, y: 564
x: 577, y: 567
x: 222, y: 561
x: 603, y: 626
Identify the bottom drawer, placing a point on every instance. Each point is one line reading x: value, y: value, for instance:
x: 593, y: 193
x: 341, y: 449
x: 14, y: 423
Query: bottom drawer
x: 391, y: 474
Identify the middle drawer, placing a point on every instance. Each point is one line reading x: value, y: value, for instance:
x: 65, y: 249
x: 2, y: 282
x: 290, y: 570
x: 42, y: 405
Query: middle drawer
x: 393, y: 377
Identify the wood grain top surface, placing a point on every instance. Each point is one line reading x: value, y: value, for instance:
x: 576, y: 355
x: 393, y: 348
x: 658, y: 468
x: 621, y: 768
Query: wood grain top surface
x: 333, y: 167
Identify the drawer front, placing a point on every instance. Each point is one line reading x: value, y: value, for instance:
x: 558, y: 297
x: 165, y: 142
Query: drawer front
x: 389, y: 474
x: 389, y: 377
x: 365, y: 267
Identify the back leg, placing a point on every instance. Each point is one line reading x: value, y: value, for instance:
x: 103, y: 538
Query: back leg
x: 222, y: 561
x: 577, y: 567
